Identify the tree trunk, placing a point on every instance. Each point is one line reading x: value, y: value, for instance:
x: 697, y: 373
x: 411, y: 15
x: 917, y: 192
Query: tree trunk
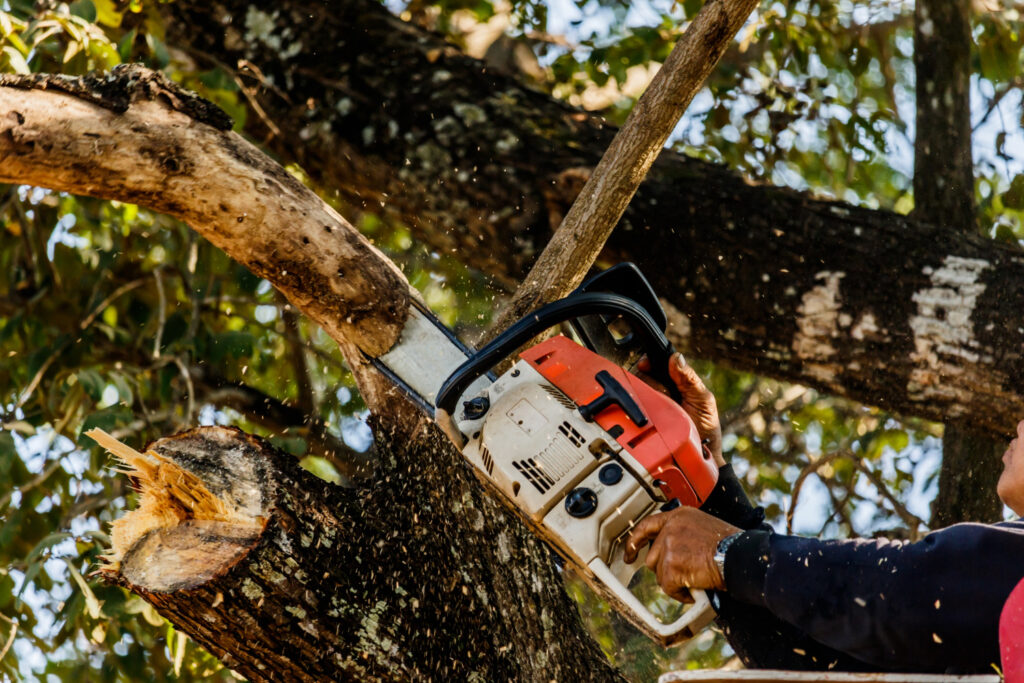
x: 891, y: 311
x: 403, y: 580
x: 944, y: 195
x: 489, y: 603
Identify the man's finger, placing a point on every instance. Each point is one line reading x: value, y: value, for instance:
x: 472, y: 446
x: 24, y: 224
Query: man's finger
x: 645, y: 531
x: 682, y: 594
x: 690, y: 385
x: 654, y: 556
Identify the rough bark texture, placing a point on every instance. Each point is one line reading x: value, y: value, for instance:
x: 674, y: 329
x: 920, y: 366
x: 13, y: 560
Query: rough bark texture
x: 578, y: 241
x: 385, y: 583
x: 944, y: 195
x: 429, y: 578
x: 888, y: 310
x: 162, y: 151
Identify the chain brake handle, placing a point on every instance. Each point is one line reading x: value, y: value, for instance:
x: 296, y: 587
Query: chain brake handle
x: 657, y: 347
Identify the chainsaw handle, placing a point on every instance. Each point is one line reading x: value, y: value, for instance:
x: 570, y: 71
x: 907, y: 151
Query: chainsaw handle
x: 659, y: 349
x: 615, y: 576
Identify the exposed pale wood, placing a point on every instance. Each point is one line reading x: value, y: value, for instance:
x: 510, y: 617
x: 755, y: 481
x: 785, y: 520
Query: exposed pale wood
x: 172, y: 499
x: 596, y: 211
x: 772, y: 676
x: 381, y: 584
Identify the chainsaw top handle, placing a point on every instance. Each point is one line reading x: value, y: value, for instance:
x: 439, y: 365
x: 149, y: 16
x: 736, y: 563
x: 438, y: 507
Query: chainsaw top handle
x: 658, y: 348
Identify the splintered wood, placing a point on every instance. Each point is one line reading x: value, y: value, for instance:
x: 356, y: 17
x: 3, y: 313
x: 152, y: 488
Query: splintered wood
x: 170, y: 496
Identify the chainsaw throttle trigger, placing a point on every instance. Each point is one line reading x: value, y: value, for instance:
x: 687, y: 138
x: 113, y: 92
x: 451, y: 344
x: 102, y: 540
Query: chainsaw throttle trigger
x: 614, y: 394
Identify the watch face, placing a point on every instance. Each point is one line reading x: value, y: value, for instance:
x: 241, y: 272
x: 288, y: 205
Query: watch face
x: 721, y: 550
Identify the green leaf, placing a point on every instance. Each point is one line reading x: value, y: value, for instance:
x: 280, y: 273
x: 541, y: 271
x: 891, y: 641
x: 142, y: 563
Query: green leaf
x: 107, y: 419
x: 15, y: 61
x: 126, y: 44
x: 15, y: 40
x: 1013, y: 198
x: 8, y: 453
x: 92, y: 382
x: 321, y: 468
x: 107, y: 14
x: 48, y: 542
x: 1004, y: 233
x: 92, y: 605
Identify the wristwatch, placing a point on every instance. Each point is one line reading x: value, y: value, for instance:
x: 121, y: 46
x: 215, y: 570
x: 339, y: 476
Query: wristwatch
x: 721, y: 550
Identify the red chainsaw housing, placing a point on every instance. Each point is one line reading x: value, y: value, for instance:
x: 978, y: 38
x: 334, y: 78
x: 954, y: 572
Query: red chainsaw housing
x: 668, y: 446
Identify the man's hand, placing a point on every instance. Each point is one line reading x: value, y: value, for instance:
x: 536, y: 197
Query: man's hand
x: 682, y: 555
x: 698, y: 402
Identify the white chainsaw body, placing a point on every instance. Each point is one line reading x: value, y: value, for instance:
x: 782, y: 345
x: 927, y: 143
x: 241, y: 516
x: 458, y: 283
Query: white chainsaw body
x: 533, y: 445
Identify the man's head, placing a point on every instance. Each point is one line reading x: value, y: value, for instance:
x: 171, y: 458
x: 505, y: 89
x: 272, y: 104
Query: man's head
x: 1011, y: 483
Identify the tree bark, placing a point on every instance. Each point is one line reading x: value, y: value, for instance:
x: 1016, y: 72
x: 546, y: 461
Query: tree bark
x: 891, y: 311
x: 386, y: 583
x: 492, y: 605
x: 116, y: 138
x: 944, y: 195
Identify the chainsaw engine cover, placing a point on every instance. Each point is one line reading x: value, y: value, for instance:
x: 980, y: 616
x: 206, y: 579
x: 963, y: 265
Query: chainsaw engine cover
x: 584, y: 482
x: 648, y: 425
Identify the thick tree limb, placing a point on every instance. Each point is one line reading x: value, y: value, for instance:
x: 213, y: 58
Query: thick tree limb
x: 162, y: 157
x: 867, y: 304
x: 492, y: 606
x: 328, y: 584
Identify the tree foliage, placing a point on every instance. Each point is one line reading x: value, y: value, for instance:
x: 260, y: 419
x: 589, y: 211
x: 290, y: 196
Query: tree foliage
x: 116, y: 317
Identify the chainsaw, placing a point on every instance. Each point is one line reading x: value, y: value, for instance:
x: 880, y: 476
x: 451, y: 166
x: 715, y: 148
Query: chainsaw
x: 574, y: 442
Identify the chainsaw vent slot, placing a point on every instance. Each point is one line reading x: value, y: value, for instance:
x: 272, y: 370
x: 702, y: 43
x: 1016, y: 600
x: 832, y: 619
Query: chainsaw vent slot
x: 535, y: 475
x: 551, y: 464
x: 485, y: 455
x: 570, y: 433
x: 560, y: 397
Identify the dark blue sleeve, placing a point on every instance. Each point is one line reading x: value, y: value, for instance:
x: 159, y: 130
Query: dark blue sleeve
x: 933, y: 605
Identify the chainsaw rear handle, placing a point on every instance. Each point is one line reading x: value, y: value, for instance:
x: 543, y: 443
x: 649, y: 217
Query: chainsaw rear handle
x: 658, y: 348
x: 616, y: 574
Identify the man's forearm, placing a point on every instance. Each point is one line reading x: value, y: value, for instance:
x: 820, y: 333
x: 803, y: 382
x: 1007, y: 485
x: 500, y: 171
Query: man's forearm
x: 928, y: 606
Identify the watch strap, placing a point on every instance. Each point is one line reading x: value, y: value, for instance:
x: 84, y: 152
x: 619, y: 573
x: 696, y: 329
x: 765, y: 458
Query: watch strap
x: 722, y: 549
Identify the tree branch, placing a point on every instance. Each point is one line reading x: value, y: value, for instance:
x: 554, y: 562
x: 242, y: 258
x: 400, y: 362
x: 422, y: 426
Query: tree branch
x: 577, y: 242
x: 425, y: 575
x: 769, y: 280
x: 189, y: 169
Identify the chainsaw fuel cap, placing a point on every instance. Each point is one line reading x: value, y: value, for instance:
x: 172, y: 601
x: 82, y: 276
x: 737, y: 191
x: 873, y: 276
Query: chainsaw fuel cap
x: 581, y: 502
x: 610, y: 474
